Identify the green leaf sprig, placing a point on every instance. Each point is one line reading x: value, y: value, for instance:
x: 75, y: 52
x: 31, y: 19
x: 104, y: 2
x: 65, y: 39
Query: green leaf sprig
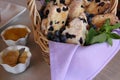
x: 47, y: 1
x: 105, y: 34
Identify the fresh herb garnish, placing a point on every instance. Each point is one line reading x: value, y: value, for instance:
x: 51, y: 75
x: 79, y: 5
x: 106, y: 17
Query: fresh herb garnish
x: 105, y: 34
x: 47, y: 1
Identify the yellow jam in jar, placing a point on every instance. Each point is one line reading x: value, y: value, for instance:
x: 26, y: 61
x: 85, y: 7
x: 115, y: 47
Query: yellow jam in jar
x: 15, y: 33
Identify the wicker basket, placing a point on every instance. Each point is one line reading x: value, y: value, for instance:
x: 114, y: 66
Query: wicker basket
x: 39, y: 38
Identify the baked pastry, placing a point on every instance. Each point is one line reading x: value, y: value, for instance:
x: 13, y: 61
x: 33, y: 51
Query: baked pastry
x: 70, y: 20
x: 87, y: 2
x: 67, y: 2
x: 56, y: 17
x: 76, y: 8
x: 44, y: 26
x: 77, y: 30
x: 47, y: 8
x: 98, y: 20
x: 98, y: 6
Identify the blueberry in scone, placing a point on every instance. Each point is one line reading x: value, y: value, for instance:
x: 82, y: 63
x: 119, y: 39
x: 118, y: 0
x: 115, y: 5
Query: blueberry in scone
x: 76, y: 8
x: 76, y: 31
x: 48, y: 8
x: 98, y: 6
x: 89, y: 18
x: 50, y: 36
x: 66, y: 2
x: 70, y: 20
x: 98, y: 20
x: 56, y: 17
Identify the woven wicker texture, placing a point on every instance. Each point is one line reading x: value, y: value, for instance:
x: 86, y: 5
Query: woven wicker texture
x: 39, y: 38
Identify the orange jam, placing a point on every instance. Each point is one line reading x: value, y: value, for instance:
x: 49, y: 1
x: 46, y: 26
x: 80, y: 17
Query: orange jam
x: 15, y: 33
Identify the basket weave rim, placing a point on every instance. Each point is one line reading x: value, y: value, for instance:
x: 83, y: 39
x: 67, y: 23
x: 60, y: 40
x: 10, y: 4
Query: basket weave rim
x: 39, y: 38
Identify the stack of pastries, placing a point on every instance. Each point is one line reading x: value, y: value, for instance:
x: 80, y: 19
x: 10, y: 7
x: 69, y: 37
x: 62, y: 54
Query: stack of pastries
x: 70, y: 20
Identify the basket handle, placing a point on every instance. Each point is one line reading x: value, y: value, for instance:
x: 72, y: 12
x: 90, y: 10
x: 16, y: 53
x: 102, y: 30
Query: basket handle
x: 113, y: 8
x: 36, y: 21
x: 33, y: 12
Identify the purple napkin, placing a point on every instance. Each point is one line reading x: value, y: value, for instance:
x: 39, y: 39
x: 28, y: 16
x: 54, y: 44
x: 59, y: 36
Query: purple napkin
x: 74, y: 62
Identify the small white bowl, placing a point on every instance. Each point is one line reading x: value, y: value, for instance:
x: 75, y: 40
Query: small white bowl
x: 20, y: 67
x: 20, y: 41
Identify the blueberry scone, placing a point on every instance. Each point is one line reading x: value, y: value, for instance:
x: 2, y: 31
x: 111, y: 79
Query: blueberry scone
x: 76, y: 8
x: 44, y: 26
x: 98, y: 6
x: 67, y: 2
x: 48, y: 8
x: 70, y: 20
x: 98, y: 20
x: 76, y: 31
x: 56, y: 18
x: 87, y: 2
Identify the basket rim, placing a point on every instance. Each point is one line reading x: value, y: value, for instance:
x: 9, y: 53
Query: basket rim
x: 36, y: 22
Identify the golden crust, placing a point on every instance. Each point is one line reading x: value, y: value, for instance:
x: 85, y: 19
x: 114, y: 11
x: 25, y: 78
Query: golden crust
x: 76, y: 8
x: 98, y: 8
x: 56, y: 18
x: 98, y: 20
x: 68, y: 1
x: 86, y: 2
x: 77, y: 28
x: 44, y: 26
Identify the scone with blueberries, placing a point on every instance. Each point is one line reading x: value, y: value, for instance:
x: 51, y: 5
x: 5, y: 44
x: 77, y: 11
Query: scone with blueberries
x: 87, y: 2
x: 56, y: 18
x: 76, y: 8
x: 98, y: 6
x: 66, y: 2
x: 77, y: 30
x: 70, y: 20
x: 99, y: 20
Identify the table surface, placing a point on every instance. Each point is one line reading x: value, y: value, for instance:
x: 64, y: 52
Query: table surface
x: 38, y: 69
